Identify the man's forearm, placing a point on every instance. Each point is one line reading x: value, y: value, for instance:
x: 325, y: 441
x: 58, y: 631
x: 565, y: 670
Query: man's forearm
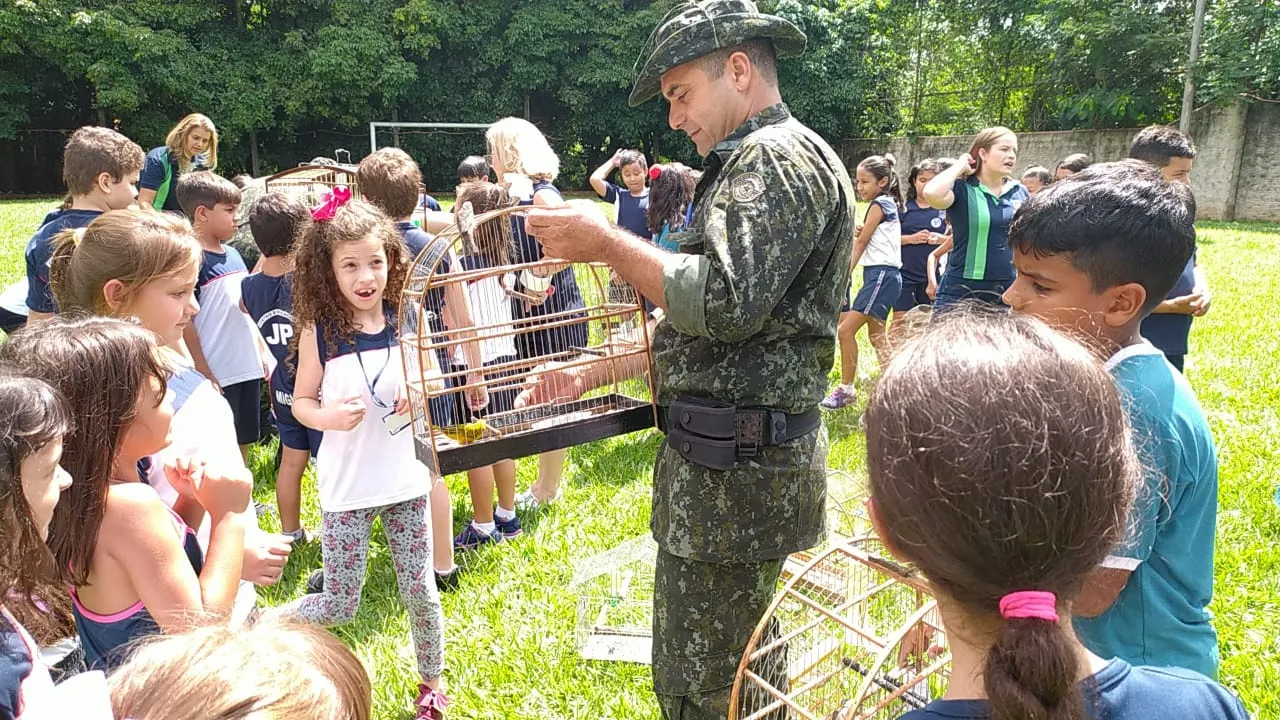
x: 639, y: 263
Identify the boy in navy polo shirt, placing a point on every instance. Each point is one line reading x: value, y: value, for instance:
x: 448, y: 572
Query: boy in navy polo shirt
x: 223, y: 342
x: 267, y: 296
x: 1095, y: 252
x: 633, y: 204
x: 1169, y: 326
x: 100, y: 169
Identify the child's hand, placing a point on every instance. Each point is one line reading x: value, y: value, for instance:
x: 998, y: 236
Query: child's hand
x: 402, y: 401
x: 185, y: 474
x: 265, y: 555
x: 617, y: 158
x: 224, y: 491
x: 1200, y: 305
x: 931, y: 289
x: 477, y: 397
x: 347, y: 414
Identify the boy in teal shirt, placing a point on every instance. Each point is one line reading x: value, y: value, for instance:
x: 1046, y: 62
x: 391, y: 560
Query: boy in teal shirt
x: 1095, y: 253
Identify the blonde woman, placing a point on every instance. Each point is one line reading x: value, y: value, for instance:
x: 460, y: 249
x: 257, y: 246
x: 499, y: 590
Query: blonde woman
x: 527, y: 166
x: 192, y: 144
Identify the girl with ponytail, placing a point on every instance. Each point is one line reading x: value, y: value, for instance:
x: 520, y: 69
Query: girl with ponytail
x: 1005, y: 492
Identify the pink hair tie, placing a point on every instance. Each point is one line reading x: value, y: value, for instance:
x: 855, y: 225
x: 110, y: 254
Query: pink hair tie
x: 330, y: 202
x: 654, y: 172
x: 1030, y: 604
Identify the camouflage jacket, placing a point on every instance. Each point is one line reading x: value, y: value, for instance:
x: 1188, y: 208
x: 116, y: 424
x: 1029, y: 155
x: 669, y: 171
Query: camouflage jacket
x: 753, y: 299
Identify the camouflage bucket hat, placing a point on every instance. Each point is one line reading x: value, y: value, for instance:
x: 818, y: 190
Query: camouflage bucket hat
x: 694, y: 29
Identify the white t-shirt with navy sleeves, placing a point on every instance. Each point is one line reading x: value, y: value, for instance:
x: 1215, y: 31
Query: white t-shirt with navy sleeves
x: 885, y: 247
x: 366, y: 466
x: 228, y: 337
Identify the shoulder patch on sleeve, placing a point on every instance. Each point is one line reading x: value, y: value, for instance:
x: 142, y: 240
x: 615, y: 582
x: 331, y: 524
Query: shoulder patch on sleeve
x: 747, y: 187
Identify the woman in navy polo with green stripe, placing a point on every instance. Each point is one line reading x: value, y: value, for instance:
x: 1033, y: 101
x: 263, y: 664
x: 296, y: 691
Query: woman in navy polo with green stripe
x: 980, y: 198
x: 192, y: 144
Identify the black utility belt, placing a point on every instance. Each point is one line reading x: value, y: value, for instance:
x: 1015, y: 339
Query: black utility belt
x: 715, y: 434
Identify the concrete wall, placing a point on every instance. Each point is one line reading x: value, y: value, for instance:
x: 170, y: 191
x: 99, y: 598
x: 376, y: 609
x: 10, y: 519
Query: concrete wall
x: 1238, y: 152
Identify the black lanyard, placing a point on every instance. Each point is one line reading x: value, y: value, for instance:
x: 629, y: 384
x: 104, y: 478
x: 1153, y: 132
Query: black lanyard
x: 372, y: 384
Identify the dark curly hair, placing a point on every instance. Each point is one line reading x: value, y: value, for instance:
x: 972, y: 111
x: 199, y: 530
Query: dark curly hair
x: 317, y: 301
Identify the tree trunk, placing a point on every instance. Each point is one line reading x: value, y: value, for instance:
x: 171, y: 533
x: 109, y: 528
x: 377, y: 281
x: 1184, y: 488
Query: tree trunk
x: 254, y: 166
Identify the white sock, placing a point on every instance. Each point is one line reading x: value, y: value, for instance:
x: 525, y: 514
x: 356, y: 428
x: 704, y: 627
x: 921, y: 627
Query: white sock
x: 849, y: 388
x: 503, y: 514
x: 486, y: 528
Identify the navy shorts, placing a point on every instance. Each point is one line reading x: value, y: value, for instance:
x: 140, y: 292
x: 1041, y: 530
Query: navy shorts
x: 913, y: 295
x: 245, y: 400
x: 984, y: 292
x: 293, y: 434
x: 881, y: 285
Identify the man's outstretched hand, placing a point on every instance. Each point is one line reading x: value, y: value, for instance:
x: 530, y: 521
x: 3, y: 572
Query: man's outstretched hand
x: 578, y: 232
x: 552, y: 383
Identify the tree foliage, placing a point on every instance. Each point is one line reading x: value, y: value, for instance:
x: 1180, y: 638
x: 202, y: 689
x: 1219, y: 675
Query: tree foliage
x: 287, y: 80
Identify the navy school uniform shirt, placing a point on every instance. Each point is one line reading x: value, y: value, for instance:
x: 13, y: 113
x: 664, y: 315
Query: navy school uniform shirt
x: 416, y: 240
x: 915, y: 258
x: 1120, y: 691
x: 633, y: 211
x: 153, y: 176
x: 269, y: 300
x: 40, y: 249
x: 980, y: 227
x: 1170, y: 331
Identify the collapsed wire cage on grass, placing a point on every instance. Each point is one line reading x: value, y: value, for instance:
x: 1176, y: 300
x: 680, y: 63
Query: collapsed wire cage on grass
x: 851, y: 636
x: 516, y: 333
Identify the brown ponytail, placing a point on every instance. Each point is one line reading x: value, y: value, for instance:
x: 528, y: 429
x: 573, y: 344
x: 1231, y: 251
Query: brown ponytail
x: 1018, y: 479
x: 1031, y: 673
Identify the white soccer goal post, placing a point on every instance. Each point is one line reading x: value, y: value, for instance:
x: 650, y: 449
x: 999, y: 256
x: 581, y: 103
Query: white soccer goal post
x: 373, y: 128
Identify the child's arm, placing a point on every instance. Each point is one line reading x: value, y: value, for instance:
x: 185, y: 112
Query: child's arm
x: 600, y: 178
x: 192, y: 339
x: 150, y: 551
x: 865, y: 231
x: 458, y: 318
x: 339, y: 413
x: 935, y: 259
x: 938, y: 191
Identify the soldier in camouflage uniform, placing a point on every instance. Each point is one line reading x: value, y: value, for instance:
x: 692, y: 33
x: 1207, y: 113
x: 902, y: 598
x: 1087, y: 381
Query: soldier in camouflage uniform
x: 742, y: 356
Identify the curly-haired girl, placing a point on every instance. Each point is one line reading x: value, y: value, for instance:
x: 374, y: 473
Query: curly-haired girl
x: 347, y: 266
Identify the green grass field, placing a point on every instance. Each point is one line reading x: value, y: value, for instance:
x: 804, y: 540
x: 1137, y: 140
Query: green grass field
x: 511, y: 626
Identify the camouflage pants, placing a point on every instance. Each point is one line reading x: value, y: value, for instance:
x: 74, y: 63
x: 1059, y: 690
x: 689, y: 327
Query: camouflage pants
x: 703, y: 616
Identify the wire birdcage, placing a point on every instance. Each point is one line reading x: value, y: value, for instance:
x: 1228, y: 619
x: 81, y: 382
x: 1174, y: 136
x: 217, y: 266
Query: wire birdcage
x: 449, y: 435
x: 308, y: 182
x: 852, y: 636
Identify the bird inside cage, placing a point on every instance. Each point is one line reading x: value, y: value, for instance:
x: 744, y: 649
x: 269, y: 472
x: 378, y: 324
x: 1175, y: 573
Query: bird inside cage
x: 513, y: 330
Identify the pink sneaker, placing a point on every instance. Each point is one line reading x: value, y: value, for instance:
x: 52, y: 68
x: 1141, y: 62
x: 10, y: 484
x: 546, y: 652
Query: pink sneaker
x: 430, y: 704
x: 839, y: 398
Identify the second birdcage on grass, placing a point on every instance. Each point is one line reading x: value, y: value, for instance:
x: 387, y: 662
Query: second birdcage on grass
x: 467, y: 377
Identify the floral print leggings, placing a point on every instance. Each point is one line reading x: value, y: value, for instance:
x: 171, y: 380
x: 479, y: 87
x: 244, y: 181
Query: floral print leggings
x: 345, y: 543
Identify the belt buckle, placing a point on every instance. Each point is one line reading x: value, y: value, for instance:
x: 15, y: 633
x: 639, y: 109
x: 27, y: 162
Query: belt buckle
x: 750, y: 432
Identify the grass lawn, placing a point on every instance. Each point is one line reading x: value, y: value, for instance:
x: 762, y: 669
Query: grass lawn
x: 511, y: 626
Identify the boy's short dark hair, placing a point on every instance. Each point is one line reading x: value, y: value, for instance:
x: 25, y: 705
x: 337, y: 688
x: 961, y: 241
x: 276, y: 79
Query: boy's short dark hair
x: 391, y: 180
x: 631, y: 157
x: 1158, y: 144
x: 276, y: 222
x: 242, y: 180
x: 473, y: 167
x: 1075, y: 162
x: 91, y: 151
x: 204, y: 188
x: 1038, y: 172
x: 1120, y: 222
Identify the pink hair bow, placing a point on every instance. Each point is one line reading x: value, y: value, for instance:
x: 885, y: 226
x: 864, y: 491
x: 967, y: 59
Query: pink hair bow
x: 330, y: 202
